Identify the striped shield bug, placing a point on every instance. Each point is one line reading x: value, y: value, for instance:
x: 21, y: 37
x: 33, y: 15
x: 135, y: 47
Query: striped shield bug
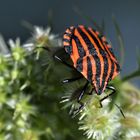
x: 92, y: 56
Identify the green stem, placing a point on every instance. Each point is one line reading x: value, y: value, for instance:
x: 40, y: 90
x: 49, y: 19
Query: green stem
x: 132, y: 75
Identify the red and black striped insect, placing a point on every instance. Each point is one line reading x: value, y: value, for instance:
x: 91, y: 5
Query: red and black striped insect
x: 92, y: 56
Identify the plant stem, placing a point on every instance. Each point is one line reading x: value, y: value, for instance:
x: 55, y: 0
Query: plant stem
x: 131, y: 75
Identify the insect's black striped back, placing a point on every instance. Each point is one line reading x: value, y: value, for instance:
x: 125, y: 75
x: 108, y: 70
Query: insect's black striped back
x: 91, y: 55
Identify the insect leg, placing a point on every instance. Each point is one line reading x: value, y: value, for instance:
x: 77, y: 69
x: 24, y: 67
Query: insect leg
x: 82, y: 92
x: 113, y: 91
x: 62, y: 61
x: 90, y: 93
x: 71, y: 80
x: 79, y: 100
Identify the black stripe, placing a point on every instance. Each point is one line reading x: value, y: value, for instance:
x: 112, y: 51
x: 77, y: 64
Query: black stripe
x: 105, y: 73
x: 112, y: 71
x: 118, y: 67
x: 66, y: 40
x: 67, y: 34
x: 112, y: 63
x: 89, y: 70
x: 71, y: 32
x: 71, y: 29
x: 68, y: 49
x: 81, y: 50
x: 93, y: 52
x: 98, y: 71
x: 110, y: 49
x: 106, y: 42
x: 100, y: 36
x: 79, y: 64
x: 90, y: 46
x: 103, y: 53
x: 102, y: 44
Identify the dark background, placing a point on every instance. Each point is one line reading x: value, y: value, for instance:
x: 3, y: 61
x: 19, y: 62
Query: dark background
x: 127, y: 13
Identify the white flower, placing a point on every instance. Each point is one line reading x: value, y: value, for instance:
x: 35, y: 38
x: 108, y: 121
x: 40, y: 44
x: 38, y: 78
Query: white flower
x: 11, y: 103
x: 99, y: 123
x: 42, y: 38
x: 39, y: 32
x: 14, y: 44
x: 3, y: 46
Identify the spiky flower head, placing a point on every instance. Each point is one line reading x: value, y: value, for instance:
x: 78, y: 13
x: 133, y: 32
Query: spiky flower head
x: 42, y: 37
x: 98, y: 123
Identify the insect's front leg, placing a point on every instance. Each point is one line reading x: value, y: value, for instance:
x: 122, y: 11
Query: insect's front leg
x: 79, y: 98
x: 113, y: 92
x: 62, y: 61
x: 91, y: 92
